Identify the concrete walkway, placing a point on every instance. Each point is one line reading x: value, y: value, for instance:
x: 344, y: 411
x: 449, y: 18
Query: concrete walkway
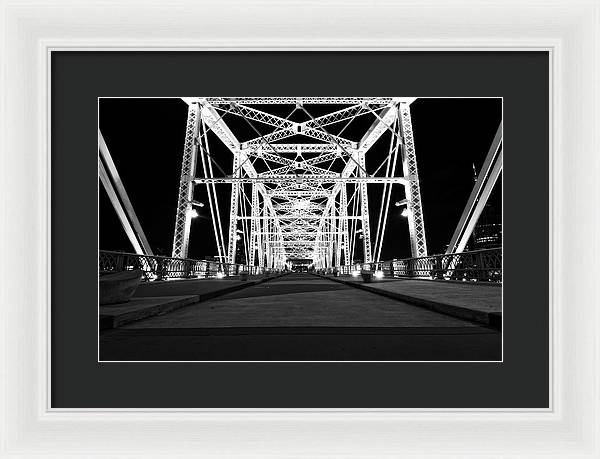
x: 301, y: 317
x: 471, y: 301
x: 301, y: 301
x: 189, y: 286
x: 158, y: 298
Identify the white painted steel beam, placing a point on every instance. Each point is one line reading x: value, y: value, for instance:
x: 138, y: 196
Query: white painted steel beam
x: 183, y: 218
x: 110, y: 178
x: 302, y: 100
x: 281, y: 179
x: 490, y: 171
x: 416, y: 222
x: 298, y: 204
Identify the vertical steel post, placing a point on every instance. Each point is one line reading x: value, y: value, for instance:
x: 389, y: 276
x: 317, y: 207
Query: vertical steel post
x: 416, y: 223
x: 261, y: 239
x: 268, y: 244
x: 183, y: 218
x: 253, y: 224
x: 364, y: 214
x: 344, y: 221
x: 338, y: 235
x: 328, y: 230
x: 233, y: 214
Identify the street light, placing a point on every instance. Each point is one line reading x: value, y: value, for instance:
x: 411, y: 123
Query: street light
x: 193, y: 213
x: 403, y: 202
x: 302, y: 204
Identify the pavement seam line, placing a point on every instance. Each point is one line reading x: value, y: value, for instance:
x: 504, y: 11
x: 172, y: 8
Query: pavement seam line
x: 169, y: 307
x: 492, y: 320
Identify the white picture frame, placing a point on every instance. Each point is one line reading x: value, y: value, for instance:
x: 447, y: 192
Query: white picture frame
x: 568, y: 29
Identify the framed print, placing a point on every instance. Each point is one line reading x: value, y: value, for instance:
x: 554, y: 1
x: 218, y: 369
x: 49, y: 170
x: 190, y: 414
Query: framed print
x: 294, y: 317
x: 299, y: 241
x: 299, y: 267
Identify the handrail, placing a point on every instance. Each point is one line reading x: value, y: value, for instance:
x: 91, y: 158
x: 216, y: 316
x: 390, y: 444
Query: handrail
x: 162, y: 268
x: 477, y: 265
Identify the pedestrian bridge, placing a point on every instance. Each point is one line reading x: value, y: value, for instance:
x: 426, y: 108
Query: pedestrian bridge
x: 306, y: 200
x: 304, y: 316
x: 480, y: 265
x: 297, y: 183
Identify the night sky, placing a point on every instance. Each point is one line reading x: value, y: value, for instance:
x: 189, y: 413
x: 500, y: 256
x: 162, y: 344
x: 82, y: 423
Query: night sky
x: 145, y: 138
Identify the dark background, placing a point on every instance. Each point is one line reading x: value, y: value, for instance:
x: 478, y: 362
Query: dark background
x: 78, y: 79
x: 451, y: 136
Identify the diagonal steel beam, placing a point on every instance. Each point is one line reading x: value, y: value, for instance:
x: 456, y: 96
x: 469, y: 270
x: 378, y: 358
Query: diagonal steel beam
x: 218, y: 126
x: 110, y: 178
x: 256, y: 115
x: 490, y: 171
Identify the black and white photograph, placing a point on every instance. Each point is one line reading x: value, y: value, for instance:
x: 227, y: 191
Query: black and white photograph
x: 300, y: 237
x: 300, y: 229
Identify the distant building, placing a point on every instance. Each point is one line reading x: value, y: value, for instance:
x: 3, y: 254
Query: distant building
x: 487, y: 233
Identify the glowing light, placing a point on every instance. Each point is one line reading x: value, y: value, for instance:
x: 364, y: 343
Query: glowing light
x: 220, y: 275
x: 355, y: 273
x: 397, y: 204
x: 193, y: 213
x: 301, y: 205
x: 379, y: 274
x: 237, y: 237
x: 404, y: 212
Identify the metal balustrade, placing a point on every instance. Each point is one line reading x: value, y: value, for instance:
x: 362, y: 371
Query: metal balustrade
x: 478, y: 265
x: 163, y: 268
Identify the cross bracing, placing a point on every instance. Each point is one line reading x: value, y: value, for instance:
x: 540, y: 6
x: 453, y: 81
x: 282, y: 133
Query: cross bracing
x: 298, y: 176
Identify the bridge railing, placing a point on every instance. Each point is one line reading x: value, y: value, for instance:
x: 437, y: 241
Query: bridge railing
x: 477, y: 265
x: 163, y: 268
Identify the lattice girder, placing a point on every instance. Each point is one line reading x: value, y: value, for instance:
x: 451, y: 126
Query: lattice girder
x: 186, y: 184
x: 416, y: 222
x: 299, y: 204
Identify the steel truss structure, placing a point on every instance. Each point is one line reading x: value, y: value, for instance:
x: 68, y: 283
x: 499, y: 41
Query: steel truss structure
x: 303, y: 200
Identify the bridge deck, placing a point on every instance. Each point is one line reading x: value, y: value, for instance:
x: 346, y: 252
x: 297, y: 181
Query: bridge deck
x: 299, y: 317
x: 466, y: 300
x: 482, y: 297
x: 301, y: 301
